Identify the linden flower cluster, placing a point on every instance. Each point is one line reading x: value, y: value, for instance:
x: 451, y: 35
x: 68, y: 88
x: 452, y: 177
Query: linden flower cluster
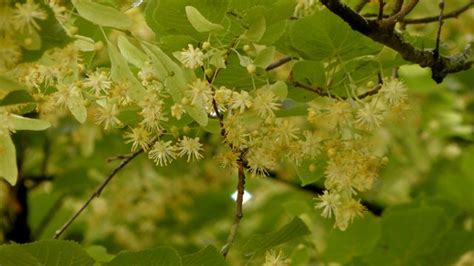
x: 352, y: 166
x: 18, y: 28
x: 145, y: 105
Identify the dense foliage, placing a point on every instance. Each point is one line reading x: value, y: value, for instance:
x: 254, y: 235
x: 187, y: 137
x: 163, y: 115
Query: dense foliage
x: 274, y: 132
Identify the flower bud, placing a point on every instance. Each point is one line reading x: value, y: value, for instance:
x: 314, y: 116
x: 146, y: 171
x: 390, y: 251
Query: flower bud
x: 251, y: 68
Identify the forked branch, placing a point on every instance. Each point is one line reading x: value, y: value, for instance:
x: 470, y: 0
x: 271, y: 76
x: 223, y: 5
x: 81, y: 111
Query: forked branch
x: 440, y: 66
x: 452, y: 14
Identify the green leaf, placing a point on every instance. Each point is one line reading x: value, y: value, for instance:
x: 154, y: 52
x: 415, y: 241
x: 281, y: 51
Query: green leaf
x: 102, y: 15
x: 409, y: 232
x: 8, y: 168
x: 120, y: 72
x: 133, y: 55
x: 14, y: 255
x: 198, y: 113
x: 454, y: 180
x: 75, y: 104
x: 218, y: 59
x: 257, y: 28
x: 265, y: 57
x: 453, y: 245
x: 24, y: 123
x: 58, y: 252
x: 213, y: 126
x: 17, y: 97
x: 310, y: 73
x: 84, y: 44
x: 310, y: 171
x: 7, y: 85
x: 292, y: 109
x: 280, y: 89
x: 99, y: 254
x: 258, y: 243
x: 176, y: 80
x: 243, y: 59
x: 167, y: 17
x: 359, y: 239
x: 167, y: 69
x: 155, y: 256
x: 204, y: 257
x: 199, y: 22
x: 30, y: 40
x: 324, y: 35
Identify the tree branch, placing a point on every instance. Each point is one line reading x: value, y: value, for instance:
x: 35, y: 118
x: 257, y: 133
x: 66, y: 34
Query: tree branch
x: 452, y: 14
x: 279, y: 63
x: 381, y: 6
x: 440, y: 67
x: 440, y: 25
x: 397, y: 6
x: 405, y: 10
x: 322, y: 93
x: 238, y: 210
x: 99, y: 190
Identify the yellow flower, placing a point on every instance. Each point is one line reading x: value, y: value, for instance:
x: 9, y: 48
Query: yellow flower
x: 265, y: 103
x: 346, y: 213
x: 274, y: 259
x: 107, y: 115
x: 394, y: 91
x: 152, y: 111
x: 240, y: 101
x: 138, y: 136
x: 191, y: 57
x: 163, y: 153
x: 285, y: 131
x: 329, y: 202
x: 200, y: 93
x: 369, y: 117
x: 190, y: 147
x: 26, y: 15
x: 98, y: 81
x: 177, y: 111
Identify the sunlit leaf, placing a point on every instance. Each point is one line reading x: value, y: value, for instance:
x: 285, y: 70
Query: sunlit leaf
x: 199, y: 22
x: 8, y: 168
x: 102, y: 15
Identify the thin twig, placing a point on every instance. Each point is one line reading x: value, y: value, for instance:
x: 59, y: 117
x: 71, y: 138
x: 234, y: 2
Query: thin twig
x: 361, y: 5
x: 98, y: 191
x: 452, y: 14
x: 381, y: 6
x: 278, y: 63
x: 440, y: 25
x: 405, y: 10
x: 397, y: 6
x: 238, y: 211
x: 321, y: 92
